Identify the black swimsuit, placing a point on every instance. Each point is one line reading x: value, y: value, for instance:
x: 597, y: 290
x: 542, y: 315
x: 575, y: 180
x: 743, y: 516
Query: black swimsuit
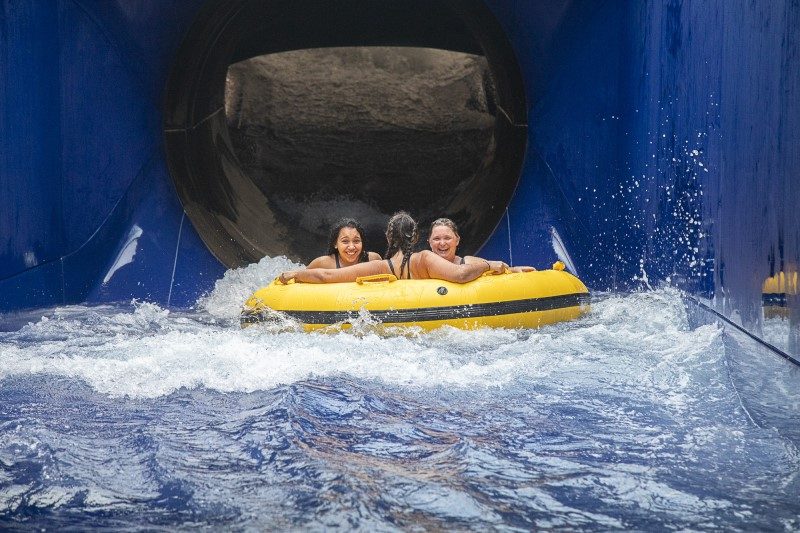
x: 391, y: 267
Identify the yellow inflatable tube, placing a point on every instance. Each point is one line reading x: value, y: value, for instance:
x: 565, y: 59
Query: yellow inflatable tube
x: 519, y: 300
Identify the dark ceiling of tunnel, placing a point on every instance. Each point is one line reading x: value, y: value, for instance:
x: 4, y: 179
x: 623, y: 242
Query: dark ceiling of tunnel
x: 413, y: 23
x: 243, y: 209
x: 363, y: 132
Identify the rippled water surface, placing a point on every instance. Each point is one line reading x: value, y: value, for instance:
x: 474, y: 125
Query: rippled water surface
x: 135, y: 416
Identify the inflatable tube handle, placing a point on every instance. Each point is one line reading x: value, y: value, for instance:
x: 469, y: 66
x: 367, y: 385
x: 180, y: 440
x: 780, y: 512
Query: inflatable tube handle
x: 376, y: 278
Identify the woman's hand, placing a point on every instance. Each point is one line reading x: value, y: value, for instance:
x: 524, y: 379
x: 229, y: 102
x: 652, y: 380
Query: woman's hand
x: 497, y: 267
x: 287, y: 276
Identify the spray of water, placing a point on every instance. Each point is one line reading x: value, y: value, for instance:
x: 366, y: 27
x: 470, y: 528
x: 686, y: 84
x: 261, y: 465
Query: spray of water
x: 148, y: 351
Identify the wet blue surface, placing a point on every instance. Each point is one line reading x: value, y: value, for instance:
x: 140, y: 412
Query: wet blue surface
x: 663, y: 148
x: 119, y: 418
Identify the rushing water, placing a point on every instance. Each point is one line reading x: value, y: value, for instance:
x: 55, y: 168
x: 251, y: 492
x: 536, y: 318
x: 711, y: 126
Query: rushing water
x: 135, y: 416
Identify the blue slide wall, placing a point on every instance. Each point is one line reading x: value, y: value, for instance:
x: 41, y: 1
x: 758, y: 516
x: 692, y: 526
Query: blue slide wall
x: 663, y: 146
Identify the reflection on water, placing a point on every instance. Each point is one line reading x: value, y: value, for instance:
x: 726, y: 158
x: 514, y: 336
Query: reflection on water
x: 632, y: 418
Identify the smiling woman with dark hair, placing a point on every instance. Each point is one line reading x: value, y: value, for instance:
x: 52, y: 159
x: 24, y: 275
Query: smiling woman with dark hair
x: 346, y: 246
x: 401, y: 236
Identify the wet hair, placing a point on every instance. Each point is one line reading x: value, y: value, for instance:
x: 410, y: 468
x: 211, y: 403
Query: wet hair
x: 445, y: 222
x: 334, y: 237
x: 402, y: 235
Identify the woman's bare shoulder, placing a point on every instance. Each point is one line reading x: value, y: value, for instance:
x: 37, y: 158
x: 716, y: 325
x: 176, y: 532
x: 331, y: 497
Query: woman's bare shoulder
x: 422, y: 257
x: 323, y: 261
x: 426, y: 258
x: 374, y: 256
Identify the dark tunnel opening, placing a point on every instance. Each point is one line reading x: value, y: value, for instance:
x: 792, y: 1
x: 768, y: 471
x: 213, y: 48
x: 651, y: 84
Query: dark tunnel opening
x: 282, y: 117
x: 332, y: 132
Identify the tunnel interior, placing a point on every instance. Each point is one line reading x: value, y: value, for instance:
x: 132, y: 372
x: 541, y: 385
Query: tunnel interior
x: 282, y: 117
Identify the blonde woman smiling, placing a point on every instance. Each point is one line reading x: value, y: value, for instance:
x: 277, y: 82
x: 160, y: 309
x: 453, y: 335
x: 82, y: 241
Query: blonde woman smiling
x: 444, y: 239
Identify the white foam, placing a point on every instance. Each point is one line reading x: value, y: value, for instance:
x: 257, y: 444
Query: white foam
x: 230, y: 292
x: 640, y: 340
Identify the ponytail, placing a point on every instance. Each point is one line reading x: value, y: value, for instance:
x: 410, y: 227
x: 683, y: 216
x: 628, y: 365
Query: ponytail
x: 401, y: 235
x: 391, y: 239
x: 406, y: 258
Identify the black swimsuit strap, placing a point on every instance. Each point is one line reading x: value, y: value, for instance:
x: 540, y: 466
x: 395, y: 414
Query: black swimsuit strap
x: 408, y: 272
x: 463, y: 262
x: 336, y: 256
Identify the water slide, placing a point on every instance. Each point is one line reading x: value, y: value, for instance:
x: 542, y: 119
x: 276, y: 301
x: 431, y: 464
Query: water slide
x: 149, y: 146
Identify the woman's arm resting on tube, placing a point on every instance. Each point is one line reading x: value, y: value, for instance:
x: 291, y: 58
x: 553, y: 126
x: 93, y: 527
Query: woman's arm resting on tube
x: 440, y: 268
x: 335, y: 275
x: 472, y: 259
x: 522, y: 269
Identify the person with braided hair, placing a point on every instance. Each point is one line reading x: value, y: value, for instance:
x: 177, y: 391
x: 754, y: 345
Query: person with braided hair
x: 401, y: 236
x: 345, y: 246
x: 444, y: 239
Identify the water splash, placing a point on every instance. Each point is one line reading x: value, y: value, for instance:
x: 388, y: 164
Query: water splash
x: 625, y: 419
x: 149, y: 352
